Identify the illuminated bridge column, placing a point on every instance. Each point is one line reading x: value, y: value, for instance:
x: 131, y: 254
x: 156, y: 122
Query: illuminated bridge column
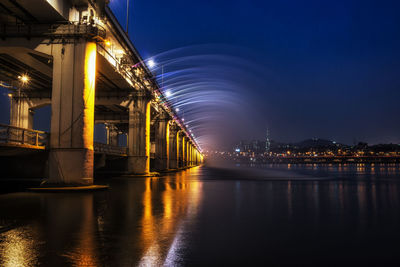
x: 191, y: 154
x: 112, y: 134
x: 139, y: 134
x: 198, y: 158
x: 162, y: 142
x: 173, y: 147
x: 189, y: 158
x: 72, y: 113
x: 187, y: 162
x: 21, y: 114
x: 179, y: 141
x: 184, y: 156
x: 194, y: 156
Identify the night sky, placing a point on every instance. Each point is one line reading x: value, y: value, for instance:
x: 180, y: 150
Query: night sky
x: 328, y: 69
x: 303, y: 69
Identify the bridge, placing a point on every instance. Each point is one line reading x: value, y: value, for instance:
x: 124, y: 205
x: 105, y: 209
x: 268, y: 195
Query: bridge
x: 74, y: 56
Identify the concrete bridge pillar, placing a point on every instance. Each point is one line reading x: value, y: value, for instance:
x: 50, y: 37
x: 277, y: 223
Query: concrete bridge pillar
x: 112, y: 134
x: 162, y: 142
x: 139, y: 134
x: 189, y: 154
x: 72, y: 118
x: 183, y: 150
x: 173, y: 147
x: 187, y: 151
x: 179, y: 141
x: 21, y: 114
x: 193, y: 156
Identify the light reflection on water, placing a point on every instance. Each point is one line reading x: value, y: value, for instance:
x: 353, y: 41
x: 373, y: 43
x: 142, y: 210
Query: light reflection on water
x: 210, y: 216
x: 18, y: 248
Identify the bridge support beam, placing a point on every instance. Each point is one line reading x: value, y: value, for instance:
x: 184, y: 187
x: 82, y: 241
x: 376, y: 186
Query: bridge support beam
x: 173, y: 147
x: 187, y: 160
x: 162, y: 142
x: 189, y: 154
x: 179, y: 148
x: 21, y: 114
x: 72, y: 119
x: 112, y: 134
x: 184, y: 151
x: 193, y: 156
x: 139, y: 135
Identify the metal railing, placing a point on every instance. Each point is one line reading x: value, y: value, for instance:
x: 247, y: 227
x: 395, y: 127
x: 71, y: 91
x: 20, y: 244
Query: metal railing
x: 57, y: 30
x: 17, y: 136
x: 110, y: 149
x: 21, y: 136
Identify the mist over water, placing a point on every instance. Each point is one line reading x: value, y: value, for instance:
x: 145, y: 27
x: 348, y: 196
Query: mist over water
x: 211, y: 87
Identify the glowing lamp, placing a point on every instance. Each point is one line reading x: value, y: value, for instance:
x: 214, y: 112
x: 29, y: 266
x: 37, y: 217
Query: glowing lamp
x: 24, y: 78
x: 151, y: 63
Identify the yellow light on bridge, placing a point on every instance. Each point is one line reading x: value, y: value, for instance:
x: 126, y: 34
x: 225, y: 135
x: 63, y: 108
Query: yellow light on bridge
x: 107, y: 43
x: 89, y: 93
x: 24, y: 78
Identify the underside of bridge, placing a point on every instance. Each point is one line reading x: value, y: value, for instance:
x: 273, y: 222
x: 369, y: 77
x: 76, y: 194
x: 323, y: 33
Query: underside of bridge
x: 74, y: 57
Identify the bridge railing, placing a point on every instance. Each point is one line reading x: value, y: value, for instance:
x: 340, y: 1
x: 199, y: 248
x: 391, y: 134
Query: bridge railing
x: 110, y: 149
x: 57, y: 30
x: 22, y: 136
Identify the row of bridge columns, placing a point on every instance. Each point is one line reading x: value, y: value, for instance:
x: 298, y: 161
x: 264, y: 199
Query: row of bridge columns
x: 71, y: 156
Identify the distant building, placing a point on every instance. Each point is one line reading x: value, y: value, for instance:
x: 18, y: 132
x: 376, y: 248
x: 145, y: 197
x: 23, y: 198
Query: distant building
x: 267, y: 142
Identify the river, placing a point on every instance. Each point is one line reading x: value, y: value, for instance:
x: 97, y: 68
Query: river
x: 269, y: 215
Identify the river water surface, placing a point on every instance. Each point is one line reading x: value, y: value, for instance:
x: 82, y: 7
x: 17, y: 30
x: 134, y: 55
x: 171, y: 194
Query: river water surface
x: 283, y: 214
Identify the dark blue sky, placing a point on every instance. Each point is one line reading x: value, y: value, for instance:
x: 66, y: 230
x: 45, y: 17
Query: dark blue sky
x: 309, y: 68
x: 331, y: 68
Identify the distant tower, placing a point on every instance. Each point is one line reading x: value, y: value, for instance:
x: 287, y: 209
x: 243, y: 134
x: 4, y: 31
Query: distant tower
x: 267, y: 142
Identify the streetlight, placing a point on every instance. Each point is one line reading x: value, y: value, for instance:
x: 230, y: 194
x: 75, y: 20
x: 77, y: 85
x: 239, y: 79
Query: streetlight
x: 151, y: 63
x: 24, y: 78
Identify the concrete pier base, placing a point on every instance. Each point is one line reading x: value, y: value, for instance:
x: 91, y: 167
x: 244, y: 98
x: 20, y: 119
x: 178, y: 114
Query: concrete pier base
x: 50, y: 189
x: 71, y: 166
x: 137, y: 165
